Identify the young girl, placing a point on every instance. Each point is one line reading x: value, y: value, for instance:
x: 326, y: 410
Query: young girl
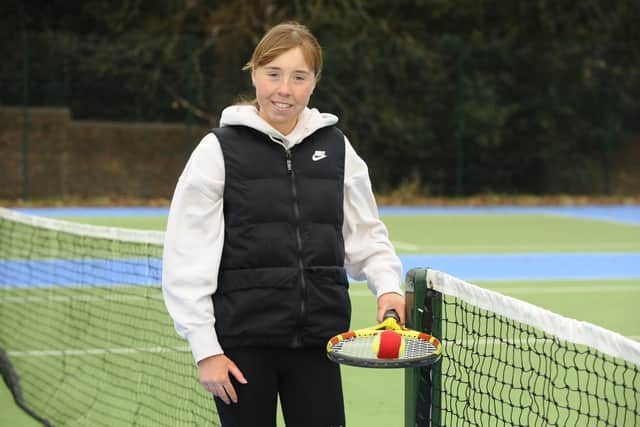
x: 272, y: 211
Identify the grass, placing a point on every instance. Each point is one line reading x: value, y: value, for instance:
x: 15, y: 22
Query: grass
x: 373, y: 397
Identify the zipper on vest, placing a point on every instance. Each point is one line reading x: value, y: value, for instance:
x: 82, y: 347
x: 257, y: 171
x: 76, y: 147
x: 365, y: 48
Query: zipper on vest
x: 297, y: 340
x: 289, y: 168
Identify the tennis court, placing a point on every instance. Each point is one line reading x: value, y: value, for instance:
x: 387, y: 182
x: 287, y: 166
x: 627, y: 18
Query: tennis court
x: 581, y: 263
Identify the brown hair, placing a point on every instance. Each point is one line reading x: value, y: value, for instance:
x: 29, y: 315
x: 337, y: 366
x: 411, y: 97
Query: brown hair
x: 277, y: 41
x: 282, y: 38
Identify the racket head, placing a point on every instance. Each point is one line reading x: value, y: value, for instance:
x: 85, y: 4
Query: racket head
x: 386, y: 345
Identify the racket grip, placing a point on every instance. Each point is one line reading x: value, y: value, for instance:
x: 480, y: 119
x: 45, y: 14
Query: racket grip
x: 391, y: 313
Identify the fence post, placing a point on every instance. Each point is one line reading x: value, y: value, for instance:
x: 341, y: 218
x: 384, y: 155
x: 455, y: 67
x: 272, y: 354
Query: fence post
x: 25, y: 116
x: 459, y: 118
x: 191, y: 96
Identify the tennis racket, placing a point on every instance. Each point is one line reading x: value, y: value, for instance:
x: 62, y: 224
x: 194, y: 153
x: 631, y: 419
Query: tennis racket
x: 386, y: 345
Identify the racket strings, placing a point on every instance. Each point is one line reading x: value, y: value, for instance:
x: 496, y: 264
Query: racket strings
x: 415, y: 348
x: 356, y: 346
x: 363, y: 347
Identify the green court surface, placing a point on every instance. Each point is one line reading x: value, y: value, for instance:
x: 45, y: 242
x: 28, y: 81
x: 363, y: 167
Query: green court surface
x: 481, y: 234
x: 10, y: 414
x: 485, y: 234
x: 367, y: 391
x: 372, y: 397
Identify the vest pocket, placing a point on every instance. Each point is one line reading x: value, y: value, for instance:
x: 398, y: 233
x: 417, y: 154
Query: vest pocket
x: 256, y: 303
x: 328, y: 304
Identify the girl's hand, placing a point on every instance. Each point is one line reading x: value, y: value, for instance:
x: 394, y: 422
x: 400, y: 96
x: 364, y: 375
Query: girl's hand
x: 391, y: 301
x: 214, y: 377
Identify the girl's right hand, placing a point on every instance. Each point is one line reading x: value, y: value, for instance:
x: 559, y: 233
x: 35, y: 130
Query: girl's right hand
x: 214, y: 377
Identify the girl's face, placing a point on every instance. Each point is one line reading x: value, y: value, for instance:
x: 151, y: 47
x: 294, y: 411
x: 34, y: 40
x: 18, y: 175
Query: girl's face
x: 283, y: 88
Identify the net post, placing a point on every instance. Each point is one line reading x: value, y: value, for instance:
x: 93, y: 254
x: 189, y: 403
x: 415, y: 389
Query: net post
x: 435, y: 299
x: 411, y: 375
x: 422, y: 405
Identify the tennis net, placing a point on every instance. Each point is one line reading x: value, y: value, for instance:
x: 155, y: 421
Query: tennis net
x: 508, y: 363
x: 85, y: 338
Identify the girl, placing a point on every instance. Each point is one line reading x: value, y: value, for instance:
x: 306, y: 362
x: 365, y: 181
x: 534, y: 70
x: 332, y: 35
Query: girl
x: 272, y: 211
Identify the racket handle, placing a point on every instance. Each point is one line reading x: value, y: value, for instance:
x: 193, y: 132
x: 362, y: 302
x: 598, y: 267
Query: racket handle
x: 391, y: 313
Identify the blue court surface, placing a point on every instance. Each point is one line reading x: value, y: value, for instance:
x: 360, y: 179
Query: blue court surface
x: 525, y: 266
x: 559, y: 266
x: 84, y: 272
x: 616, y: 213
x: 109, y: 272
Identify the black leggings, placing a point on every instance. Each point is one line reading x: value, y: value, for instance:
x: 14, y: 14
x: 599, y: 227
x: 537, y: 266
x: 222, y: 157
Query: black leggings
x: 308, y: 383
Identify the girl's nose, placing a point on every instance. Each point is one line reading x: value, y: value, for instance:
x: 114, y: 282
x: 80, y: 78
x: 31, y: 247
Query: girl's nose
x: 284, y: 89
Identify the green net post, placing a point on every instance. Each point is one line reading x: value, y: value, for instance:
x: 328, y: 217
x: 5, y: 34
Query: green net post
x: 422, y: 385
x: 413, y: 320
x: 435, y: 298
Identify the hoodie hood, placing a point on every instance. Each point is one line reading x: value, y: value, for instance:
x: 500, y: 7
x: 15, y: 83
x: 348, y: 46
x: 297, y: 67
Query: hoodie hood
x: 310, y: 120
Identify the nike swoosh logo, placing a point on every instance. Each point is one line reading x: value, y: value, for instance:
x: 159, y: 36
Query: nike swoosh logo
x: 318, y: 156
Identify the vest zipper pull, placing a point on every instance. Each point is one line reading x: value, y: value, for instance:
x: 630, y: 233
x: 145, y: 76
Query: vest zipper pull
x: 289, y: 162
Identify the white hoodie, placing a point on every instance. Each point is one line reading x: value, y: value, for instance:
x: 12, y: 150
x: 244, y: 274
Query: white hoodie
x: 195, y: 229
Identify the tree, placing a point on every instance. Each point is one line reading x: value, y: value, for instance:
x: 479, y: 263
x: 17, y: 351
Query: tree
x: 458, y: 97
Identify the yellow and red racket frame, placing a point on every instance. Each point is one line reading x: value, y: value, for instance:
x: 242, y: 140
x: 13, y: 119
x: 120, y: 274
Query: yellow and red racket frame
x: 427, y: 354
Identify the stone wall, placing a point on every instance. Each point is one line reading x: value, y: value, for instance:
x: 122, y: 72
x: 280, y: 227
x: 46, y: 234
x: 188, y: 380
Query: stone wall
x: 76, y: 158
x: 47, y: 139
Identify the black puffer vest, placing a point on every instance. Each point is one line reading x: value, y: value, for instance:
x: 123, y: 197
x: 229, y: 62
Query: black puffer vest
x: 282, y: 280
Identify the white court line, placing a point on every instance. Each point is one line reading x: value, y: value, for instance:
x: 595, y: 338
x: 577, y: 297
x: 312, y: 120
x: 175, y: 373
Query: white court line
x: 488, y: 342
x: 119, y: 298
x: 495, y: 341
x: 439, y: 248
x: 604, y: 289
x: 405, y: 246
x: 353, y: 292
x: 504, y: 249
x: 85, y: 298
x: 540, y: 290
x: 185, y: 349
x: 97, y: 351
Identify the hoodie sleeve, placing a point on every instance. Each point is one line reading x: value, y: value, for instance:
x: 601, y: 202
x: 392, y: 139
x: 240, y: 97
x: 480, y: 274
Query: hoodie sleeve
x: 193, y: 248
x: 369, y: 254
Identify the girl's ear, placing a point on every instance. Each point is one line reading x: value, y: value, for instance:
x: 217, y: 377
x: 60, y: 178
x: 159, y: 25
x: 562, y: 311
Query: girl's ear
x: 253, y: 77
